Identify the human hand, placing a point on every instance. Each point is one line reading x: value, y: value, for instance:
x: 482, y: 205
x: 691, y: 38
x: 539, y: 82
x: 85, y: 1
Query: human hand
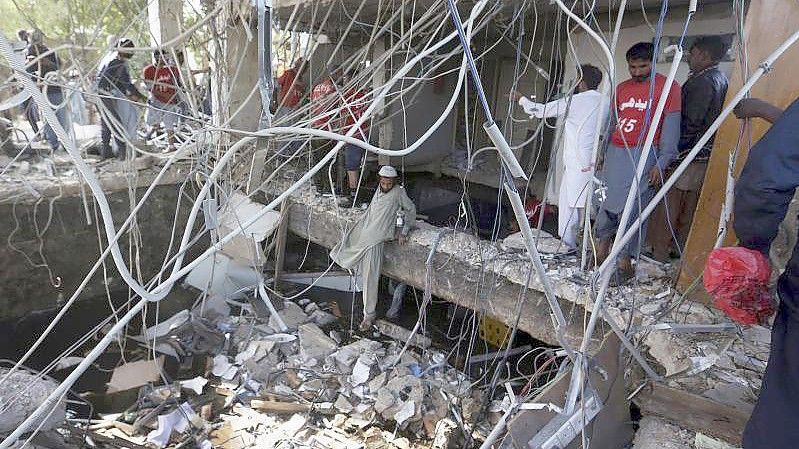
x: 753, y: 107
x: 515, y: 96
x: 655, y: 178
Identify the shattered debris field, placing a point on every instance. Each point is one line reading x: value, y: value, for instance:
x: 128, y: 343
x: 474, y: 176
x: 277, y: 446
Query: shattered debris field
x: 351, y: 224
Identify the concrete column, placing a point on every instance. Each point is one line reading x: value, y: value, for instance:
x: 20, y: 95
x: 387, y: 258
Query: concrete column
x: 165, y: 18
x: 234, y: 68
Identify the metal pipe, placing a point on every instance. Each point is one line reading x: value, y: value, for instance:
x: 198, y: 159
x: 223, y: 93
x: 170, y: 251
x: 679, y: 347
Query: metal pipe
x: 265, y: 61
x: 607, y: 94
x: 604, y: 276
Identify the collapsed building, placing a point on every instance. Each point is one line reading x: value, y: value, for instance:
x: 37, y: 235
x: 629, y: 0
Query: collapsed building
x: 196, y: 284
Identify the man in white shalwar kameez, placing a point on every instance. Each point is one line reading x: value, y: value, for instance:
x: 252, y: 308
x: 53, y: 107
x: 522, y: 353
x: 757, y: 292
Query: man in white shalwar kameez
x: 579, y: 130
x: 362, y: 247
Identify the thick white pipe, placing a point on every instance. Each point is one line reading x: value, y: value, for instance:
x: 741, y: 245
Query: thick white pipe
x: 535, y: 258
x: 504, y: 150
x: 607, y: 93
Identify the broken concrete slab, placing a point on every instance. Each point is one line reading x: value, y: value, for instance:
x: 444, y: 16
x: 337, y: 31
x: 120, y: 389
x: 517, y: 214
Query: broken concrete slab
x: 401, y: 334
x: 346, y: 356
x: 21, y: 394
x: 656, y: 433
x: 293, y: 316
x: 314, y: 343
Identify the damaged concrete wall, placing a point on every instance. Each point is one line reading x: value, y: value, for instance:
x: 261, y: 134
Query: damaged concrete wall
x: 40, y: 271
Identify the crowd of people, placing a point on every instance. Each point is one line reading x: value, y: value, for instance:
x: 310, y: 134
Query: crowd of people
x: 118, y: 99
x: 689, y: 111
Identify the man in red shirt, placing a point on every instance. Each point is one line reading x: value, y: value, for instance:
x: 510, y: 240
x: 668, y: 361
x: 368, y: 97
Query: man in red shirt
x: 353, y: 106
x: 290, y: 88
x: 324, y: 111
x: 163, y: 80
x: 636, y: 100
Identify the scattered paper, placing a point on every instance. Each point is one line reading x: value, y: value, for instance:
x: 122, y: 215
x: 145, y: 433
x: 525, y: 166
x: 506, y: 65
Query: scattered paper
x: 135, y: 374
x: 223, y: 368
x: 197, y: 384
x: 175, y: 421
x: 360, y: 373
x: 408, y: 409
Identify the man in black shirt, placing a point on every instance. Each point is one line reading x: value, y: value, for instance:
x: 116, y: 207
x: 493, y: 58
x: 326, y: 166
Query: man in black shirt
x: 41, y: 62
x: 115, y: 89
x: 702, y: 101
x: 762, y: 194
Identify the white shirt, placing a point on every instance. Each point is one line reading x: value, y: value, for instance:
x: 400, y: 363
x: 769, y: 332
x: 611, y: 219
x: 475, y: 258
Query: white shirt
x: 578, y: 137
x: 580, y: 126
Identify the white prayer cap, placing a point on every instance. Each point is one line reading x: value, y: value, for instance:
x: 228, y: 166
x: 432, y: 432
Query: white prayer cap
x: 388, y: 171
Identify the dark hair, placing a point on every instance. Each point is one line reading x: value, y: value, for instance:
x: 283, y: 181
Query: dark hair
x: 125, y: 43
x: 641, y: 50
x: 22, y: 35
x: 715, y: 46
x: 592, y: 76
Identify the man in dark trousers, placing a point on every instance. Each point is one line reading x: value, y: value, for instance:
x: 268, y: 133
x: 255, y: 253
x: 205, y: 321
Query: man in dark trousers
x: 762, y: 195
x: 702, y: 100
x: 116, y: 90
x: 41, y: 63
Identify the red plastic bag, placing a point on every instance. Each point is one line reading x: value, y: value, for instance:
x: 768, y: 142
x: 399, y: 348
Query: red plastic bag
x: 737, y: 278
x: 533, y: 207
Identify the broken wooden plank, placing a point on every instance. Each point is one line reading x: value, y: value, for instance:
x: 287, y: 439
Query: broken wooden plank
x: 694, y: 412
x: 399, y: 333
x: 278, y: 407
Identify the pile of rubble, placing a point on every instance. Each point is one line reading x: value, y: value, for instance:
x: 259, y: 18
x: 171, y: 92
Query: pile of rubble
x: 306, y: 386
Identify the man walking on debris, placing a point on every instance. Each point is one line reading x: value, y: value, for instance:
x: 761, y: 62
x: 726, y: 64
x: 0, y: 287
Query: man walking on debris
x: 290, y: 88
x: 390, y: 215
x: 116, y: 90
x: 578, y: 144
x: 762, y: 194
x: 354, y: 104
x: 324, y: 101
x: 702, y: 100
x: 45, y: 64
x: 163, y: 80
x: 636, y: 100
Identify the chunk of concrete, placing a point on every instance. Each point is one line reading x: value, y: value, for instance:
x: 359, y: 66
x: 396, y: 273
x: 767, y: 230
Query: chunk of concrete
x: 322, y: 318
x: 346, y: 356
x: 397, y: 393
x: 292, y: 315
x: 314, y: 344
x: 342, y: 404
x: 21, y: 394
x: 655, y: 433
